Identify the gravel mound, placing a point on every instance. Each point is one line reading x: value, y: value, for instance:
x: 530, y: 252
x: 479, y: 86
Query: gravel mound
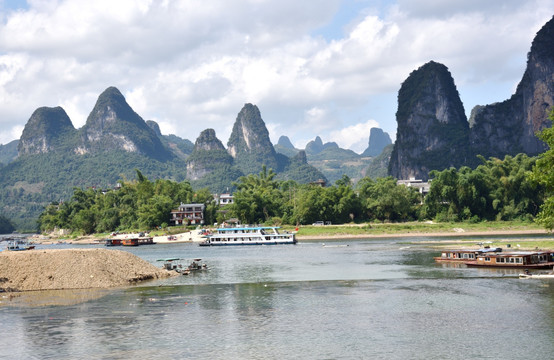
x: 73, y: 269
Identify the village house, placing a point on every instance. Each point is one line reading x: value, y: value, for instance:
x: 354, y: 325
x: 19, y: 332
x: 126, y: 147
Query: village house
x: 422, y: 187
x: 225, y: 199
x: 188, y: 214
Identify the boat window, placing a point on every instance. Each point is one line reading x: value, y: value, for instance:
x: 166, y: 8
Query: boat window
x: 487, y: 258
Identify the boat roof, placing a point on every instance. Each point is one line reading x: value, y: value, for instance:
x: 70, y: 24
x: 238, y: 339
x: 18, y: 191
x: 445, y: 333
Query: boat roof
x: 248, y: 228
x: 483, y: 250
x: 521, y: 253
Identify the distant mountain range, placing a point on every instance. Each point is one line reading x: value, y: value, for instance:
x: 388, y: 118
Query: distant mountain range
x: 52, y: 157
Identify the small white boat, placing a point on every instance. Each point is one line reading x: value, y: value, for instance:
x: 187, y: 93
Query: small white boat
x: 256, y: 235
x: 536, y: 276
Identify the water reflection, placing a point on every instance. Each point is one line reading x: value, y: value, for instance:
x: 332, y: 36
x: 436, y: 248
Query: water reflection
x: 51, y: 297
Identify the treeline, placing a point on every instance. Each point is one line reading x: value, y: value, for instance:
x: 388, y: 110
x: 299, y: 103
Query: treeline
x: 495, y: 190
x: 140, y: 204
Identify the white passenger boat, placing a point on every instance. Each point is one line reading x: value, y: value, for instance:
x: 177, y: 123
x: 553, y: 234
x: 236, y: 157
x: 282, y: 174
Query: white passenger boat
x: 255, y: 235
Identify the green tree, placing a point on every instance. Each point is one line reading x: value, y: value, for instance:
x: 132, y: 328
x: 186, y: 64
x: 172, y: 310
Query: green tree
x: 257, y: 198
x: 6, y: 225
x: 543, y: 173
x: 383, y: 199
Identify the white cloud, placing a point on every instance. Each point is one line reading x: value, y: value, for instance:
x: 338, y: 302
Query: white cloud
x: 192, y: 65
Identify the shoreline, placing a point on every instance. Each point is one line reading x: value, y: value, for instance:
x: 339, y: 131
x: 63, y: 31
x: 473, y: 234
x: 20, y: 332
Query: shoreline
x: 426, y: 234
x: 188, y: 237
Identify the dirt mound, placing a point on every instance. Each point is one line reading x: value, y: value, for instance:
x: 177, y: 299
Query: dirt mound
x: 73, y: 269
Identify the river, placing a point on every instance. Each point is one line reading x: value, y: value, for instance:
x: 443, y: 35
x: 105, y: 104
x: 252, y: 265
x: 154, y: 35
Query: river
x: 355, y: 299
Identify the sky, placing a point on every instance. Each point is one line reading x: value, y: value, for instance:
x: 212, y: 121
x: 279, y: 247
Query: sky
x: 328, y: 68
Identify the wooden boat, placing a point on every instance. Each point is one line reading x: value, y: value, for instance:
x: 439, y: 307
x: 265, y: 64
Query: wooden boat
x: 256, y: 235
x: 173, y: 264
x: 129, y: 240
x: 516, y: 259
x: 18, y: 245
x: 113, y: 242
x: 463, y: 255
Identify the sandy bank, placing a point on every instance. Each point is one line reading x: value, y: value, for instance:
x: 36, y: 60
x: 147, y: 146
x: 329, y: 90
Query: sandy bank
x: 73, y: 269
x: 369, y: 235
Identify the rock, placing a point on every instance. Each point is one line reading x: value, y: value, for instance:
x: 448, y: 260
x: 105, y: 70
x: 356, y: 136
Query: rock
x: 249, y: 143
x: 208, y: 155
x: 509, y: 127
x: 113, y: 124
x: 48, y: 129
x: 378, y: 140
x: 433, y: 132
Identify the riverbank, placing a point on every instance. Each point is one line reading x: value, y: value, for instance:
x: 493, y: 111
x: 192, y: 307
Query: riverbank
x: 73, y: 269
x: 349, y: 231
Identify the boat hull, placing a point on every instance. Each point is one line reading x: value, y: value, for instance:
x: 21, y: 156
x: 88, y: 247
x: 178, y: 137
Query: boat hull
x: 512, y: 266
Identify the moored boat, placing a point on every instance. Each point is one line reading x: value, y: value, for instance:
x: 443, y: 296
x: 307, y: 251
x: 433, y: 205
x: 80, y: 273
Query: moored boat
x: 246, y: 235
x: 463, y: 255
x: 130, y: 240
x: 113, y: 242
x: 175, y: 265
x: 18, y: 245
x: 516, y: 259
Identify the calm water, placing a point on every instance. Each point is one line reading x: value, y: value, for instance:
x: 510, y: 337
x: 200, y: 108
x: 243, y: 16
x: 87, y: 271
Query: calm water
x: 378, y: 299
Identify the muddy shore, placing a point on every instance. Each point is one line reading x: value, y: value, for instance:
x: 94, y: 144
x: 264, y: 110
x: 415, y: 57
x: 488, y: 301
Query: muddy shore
x: 73, y: 269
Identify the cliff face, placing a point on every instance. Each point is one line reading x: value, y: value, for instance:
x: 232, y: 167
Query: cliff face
x: 378, y: 140
x: 509, y: 127
x: 208, y: 155
x: 48, y: 129
x: 433, y: 131
x: 249, y: 143
x: 113, y: 125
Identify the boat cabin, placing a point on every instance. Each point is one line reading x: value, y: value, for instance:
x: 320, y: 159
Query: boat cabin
x: 526, y: 259
x: 464, y: 254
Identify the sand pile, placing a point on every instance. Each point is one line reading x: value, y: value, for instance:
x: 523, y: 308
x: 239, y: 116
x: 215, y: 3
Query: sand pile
x: 73, y: 269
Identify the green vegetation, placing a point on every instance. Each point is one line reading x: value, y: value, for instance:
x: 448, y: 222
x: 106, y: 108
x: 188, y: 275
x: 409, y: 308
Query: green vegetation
x: 6, y: 225
x: 141, y: 204
x: 31, y: 182
x: 543, y: 173
x: 495, y: 190
x: 499, y: 190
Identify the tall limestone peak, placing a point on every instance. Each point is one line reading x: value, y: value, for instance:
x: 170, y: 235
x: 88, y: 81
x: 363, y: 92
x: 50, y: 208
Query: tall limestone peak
x: 378, y: 140
x: 113, y: 124
x: 510, y: 127
x: 48, y: 129
x: 208, y: 155
x: 433, y: 132
x: 315, y: 146
x: 249, y: 143
x: 284, y: 141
